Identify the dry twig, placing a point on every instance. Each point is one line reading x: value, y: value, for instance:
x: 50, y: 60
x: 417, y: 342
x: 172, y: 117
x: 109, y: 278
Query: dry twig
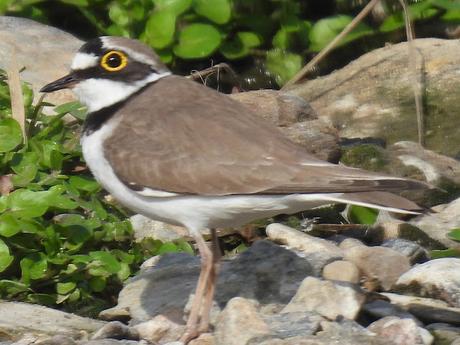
x: 17, y: 99
x: 416, y: 84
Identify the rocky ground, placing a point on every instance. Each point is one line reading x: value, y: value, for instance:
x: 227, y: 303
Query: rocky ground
x: 328, y: 284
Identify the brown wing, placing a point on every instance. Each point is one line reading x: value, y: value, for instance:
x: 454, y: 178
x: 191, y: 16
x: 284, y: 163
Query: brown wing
x: 195, y: 140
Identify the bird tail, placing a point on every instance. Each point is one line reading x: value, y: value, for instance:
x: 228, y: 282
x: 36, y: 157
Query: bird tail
x: 379, y: 200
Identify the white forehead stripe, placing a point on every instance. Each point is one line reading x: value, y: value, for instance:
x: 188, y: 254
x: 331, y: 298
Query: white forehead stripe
x: 137, y: 56
x: 83, y: 61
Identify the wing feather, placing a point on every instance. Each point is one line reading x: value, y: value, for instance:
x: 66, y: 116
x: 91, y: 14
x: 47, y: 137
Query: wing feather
x: 197, y: 141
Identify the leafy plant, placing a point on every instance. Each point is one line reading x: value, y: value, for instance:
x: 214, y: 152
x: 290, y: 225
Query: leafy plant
x: 362, y: 215
x: 62, y: 242
x: 281, y: 32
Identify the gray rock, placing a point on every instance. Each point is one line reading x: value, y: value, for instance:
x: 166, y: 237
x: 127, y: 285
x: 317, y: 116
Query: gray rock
x: 296, y: 118
x: 20, y: 318
x: 57, y: 340
x: 116, y: 330
x: 426, y: 309
x: 274, y: 276
x: 401, y: 331
x: 204, y: 339
x: 112, y: 342
x: 327, y: 298
x: 385, y: 265
x: 301, y: 241
x: 415, y: 252
x: 46, y: 56
x: 239, y: 323
x: 394, y: 229
x: 373, y: 95
x: 342, y: 271
x: 380, y: 309
x: 437, y: 225
x: 159, y: 330
x: 438, y: 278
x: 288, y: 325
x: 434, y: 167
x: 346, y: 332
x: 144, y: 227
x: 444, y: 333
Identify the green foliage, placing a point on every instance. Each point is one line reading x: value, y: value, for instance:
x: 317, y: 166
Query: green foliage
x: 325, y: 30
x: 454, y: 234
x: 365, y: 156
x: 285, y: 33
x: 61, y: 242
x: 197, y: 41
x: 362, y: 215
x: 445, y: 253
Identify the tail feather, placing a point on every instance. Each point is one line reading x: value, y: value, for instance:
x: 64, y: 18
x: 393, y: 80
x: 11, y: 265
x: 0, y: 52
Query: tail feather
x: 380, y: 200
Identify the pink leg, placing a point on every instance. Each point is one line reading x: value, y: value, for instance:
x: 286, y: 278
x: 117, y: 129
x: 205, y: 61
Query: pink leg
x: 211, y: 284
x: 191, y: 330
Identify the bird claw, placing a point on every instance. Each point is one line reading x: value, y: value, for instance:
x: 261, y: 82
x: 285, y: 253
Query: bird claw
x: 189, y: 335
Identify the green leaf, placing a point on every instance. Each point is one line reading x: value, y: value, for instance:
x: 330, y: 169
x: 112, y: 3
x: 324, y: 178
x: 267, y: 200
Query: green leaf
x: 167, y: 247
x: 109, y: 261
x: 241, y: 45
x: 33, y: 266
x: 118, y: 14
x: 175, y: 6
x: 124, y: 272
x: 451, y: 16
x: 197, y: 41
x: 166, y: 55
x: 325, y: 30
x: 5, y: 258
x: 11, y: 287
x: 123, y: 256
x: 78, y: 234
x: 9, y: 225
x: 42, y: 298
x: 51, y: 157
x: 185, y: 246
x: 445, y: 253
x: 27, y: 203
x: 283, y: 65
x: 446, y: 4
x: 422, y: 10
x: 75, y: 295
x: 85, y: 183
x: 65, y: 288
x: 10, y: 134
x: 362, y: 215
x: 217, y: 11
x: 97, y: 284
x: 64, y: 203
x: 78, y: 3
x: 160, y: 28
x: 282, y: 39
x: 454, y: 234
x: 25, y: 166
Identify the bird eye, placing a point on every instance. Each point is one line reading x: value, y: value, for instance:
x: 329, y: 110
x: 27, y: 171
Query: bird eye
x: 113, y: 61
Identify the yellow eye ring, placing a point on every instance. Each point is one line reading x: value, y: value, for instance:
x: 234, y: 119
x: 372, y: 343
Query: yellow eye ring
x: 114, y: 61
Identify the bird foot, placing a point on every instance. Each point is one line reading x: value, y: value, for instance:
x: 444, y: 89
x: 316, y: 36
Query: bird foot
x: 190, y: 334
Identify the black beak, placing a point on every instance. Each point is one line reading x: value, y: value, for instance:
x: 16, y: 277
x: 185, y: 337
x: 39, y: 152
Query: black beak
x: 63, y: 83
